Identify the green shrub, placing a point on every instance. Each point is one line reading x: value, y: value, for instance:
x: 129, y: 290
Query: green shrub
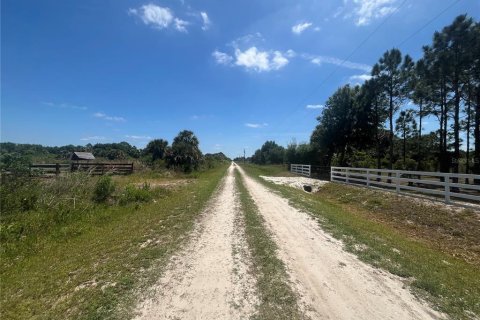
x: 134, y: 194
x: 103, y: 189
x: 18, y: 194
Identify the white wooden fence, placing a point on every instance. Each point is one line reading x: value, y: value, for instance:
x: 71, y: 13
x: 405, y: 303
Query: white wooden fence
x: 446, y: 185
x: 301, y: 169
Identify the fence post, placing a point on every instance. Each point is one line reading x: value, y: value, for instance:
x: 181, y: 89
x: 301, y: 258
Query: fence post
x: 309, y: 170
x: 57, y: 169
x: 368, y: 178
x: 397, y: 182
x: 447, y: 188
x: 346, y: 175
x: 331, y: 173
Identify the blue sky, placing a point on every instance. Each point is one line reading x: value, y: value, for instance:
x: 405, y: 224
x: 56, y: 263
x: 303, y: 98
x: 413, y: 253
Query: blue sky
x: 235, y: 72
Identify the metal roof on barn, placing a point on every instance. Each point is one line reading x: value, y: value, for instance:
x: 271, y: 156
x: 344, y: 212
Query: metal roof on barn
x: 82, y: 156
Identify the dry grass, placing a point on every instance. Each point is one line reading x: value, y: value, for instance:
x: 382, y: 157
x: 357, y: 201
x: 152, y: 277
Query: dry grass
x: 454, y: 231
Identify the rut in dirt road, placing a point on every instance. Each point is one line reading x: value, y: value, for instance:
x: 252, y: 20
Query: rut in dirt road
x: 331, y: 283
x: 209, y: 279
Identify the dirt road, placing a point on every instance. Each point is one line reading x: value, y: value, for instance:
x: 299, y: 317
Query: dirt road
x: 210, y: 278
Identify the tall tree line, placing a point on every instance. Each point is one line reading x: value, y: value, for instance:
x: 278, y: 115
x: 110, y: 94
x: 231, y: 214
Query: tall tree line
x: 374, y: 118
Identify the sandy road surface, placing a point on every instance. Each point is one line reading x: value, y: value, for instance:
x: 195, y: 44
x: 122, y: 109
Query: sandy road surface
x: 209, y: 279
x: 332, y: 283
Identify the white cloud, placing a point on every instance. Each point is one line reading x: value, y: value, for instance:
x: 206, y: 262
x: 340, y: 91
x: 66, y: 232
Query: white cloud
x: 64, y: 106
x: 290, y: 53
x: 154, y: 15
x: 248, y: 40
x: 359, y: 78
x: 222, y: 57
x: 93, y: 138
x: 133, y: 137
x: 365, y: 11
x: 259, y: 61
x: 299, y: 28
x: 278, y: 61
x: 253, y: 59
x: 181, y: 25
x: 159, y: 17
x: 102, y: 115
x: 256, y: 125
x: 206, y: 20
x: 319, y: 60
x: 314, y: 106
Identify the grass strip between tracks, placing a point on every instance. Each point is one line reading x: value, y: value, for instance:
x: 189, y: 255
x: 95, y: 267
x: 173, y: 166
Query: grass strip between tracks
x: 277, y: 299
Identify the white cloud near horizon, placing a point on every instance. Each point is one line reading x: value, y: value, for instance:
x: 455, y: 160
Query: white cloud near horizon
x: 359, y: 78
x: 134, y: 137
x: 301, y: 27
x: 93, y: 138
x: 319, y: 60
x: 314, y: 106
x: 256, y: 125
x: 104, y: 116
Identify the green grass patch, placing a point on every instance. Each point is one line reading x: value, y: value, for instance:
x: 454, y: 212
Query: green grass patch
x: 89, y: 261
x: 277, y: 300
x: 450, y: 283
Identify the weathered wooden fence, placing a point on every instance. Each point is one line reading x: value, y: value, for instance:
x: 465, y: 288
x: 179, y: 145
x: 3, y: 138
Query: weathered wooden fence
x: 90, y: 168
x: 449, y: 186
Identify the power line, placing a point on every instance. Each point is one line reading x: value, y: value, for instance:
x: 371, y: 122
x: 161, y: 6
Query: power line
x: 428, y: 23
x: 352, y: 53
x: 303, y: 101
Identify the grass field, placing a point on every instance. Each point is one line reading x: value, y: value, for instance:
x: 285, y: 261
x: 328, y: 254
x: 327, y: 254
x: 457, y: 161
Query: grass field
x: 427, y: 247
x: 89, y: 262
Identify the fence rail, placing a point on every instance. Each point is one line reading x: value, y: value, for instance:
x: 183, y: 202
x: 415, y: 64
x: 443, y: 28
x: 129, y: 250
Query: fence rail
x: 47, y: 169
x: 301, y: 169
x: 450, y: 186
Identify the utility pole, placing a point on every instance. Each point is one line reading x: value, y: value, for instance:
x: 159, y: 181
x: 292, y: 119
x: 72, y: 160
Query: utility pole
x: 244, y: 156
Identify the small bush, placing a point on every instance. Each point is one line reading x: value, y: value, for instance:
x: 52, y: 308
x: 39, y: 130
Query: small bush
x: 103, y: 189
x: 134, y: 194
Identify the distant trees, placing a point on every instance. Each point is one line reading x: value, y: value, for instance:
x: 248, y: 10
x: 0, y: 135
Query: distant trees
x: 269, y: 153
x: 184, y: 153
x: 156, y: 149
